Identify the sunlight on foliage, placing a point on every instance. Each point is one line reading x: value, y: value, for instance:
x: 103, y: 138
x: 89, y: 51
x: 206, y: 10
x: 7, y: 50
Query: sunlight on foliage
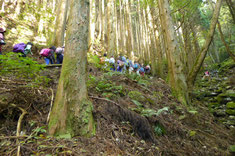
x: 21, y: 67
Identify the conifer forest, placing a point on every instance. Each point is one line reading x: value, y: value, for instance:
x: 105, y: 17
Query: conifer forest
x: 117, y: 77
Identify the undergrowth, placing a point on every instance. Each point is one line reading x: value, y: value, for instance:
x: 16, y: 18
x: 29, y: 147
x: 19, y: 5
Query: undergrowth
x: 14, y: 64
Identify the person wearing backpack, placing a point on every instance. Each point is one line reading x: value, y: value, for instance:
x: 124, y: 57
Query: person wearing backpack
x: 23, y: 48
x: 112, y: 63
x: 59, y: 55
x: 120, y: 65
x: 2, y: 42
x: 136, y: 66
x: 48, y: 54
x: 147, y: 69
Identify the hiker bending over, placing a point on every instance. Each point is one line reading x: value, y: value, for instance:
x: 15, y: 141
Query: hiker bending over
x: 206, y: 75
x: 23, y: 48
x: 48, y: 54
x: 59, y: 55
x: 147, y: 69
x: 2, y: 42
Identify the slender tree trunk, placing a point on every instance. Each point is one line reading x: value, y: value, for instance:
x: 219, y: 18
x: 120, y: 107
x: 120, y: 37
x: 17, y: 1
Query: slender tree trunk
x: 231, y: 6
x: 72, y: 111
x: 200, y: 58
x: 224, y: 42
x: 175, y: 67
x: 59, y: 24
x: 91, y: 37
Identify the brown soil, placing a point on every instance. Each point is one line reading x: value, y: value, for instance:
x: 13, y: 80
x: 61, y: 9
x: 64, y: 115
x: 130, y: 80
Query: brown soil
x: 120, y: 129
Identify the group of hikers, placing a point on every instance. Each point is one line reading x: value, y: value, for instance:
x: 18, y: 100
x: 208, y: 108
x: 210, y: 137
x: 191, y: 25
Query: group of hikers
x: 49, y: 55
x: 124, y: 65
x: 24, y: 49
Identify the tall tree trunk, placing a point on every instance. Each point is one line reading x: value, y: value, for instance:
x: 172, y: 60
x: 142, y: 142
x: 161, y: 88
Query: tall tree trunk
x: 59, y: 24
x: 231, y: 6
x: 200, y: 58
x: 72, y: 111
x: 91, y: 37
x: 175, y: 68
x: 224, y: 42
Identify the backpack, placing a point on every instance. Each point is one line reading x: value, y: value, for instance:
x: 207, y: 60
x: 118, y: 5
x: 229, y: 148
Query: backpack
x: 45, y: 52
x: 136, y: 66
x: 59, y: 50
x: 102, y: 60
x: 141, y: 70
x: 121, y: 64
x: 112, y: 60
x: 19, y: 47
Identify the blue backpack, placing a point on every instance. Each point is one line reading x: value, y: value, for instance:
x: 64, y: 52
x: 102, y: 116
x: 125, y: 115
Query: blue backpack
x: 136, y: 66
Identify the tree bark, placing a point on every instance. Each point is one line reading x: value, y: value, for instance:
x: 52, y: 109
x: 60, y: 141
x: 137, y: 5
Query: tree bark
x: 177, y: 79
x: 202, y: 54
x: 224, y: 42
x: 59, y: 24
x: 72, y: 111
x: 231, y: 9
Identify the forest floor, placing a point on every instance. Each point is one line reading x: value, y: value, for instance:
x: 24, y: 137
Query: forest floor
x: 133, y: 115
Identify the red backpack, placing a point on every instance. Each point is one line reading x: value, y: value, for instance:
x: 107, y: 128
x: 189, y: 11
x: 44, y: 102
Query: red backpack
x: 45, y: 52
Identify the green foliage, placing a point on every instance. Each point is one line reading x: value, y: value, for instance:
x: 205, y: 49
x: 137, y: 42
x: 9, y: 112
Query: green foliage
x: 22, y: 67
x: 192, y: 133
x: 159, y: 129
x: 151, y: 112
x: 106, y: 87
x: 135, y: 95
x: 232, y: 148
x: 39, y: 130
x: 94, y: 59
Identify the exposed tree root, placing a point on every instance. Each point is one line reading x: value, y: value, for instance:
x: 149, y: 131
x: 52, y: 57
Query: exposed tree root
x: 19, y: 126
x: 139, y: 123
x: 52, y: 98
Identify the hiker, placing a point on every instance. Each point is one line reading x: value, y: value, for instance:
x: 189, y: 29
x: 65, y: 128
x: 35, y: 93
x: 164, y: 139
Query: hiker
x: 136, y: 66
x: 59, y: 55
x: 120, y: 65
x: 147, y: 69
x: 23, y: 48
x: 141, y: 71
x: 206, y: 75
x: 48, y: 54
x: 129, y: 66
x: 103, y: 59
x: 112, y: 63
x: 2, y: 42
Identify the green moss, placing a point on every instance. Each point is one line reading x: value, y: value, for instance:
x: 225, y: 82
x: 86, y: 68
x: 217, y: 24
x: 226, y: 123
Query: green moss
x: 135, y: 95
x: 232, y: 148
x: 230, y: 105
x: 230, y: 111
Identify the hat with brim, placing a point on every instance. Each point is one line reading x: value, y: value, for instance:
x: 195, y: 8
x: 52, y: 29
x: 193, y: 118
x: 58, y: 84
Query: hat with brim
x: 2, y: 30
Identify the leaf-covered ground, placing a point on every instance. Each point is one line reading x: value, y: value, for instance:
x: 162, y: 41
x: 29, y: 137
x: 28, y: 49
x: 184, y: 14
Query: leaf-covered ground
x: 133, y: 117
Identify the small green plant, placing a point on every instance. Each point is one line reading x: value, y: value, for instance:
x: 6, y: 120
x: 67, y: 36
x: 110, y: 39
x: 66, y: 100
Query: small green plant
x: 159, y: 129
x: 21, y: 67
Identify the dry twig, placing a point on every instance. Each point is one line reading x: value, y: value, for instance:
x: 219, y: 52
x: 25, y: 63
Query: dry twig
x: 52, y: 98
x: 19, y: 126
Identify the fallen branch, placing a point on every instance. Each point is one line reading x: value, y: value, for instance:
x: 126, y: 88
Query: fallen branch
x: 12, y: 137
x: 52, y: 98
x: 19, y: 126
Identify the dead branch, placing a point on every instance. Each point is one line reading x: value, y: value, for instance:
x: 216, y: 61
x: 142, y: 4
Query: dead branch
x: 52, y: 98
x: 19, y: 126
x: 12, y: 137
